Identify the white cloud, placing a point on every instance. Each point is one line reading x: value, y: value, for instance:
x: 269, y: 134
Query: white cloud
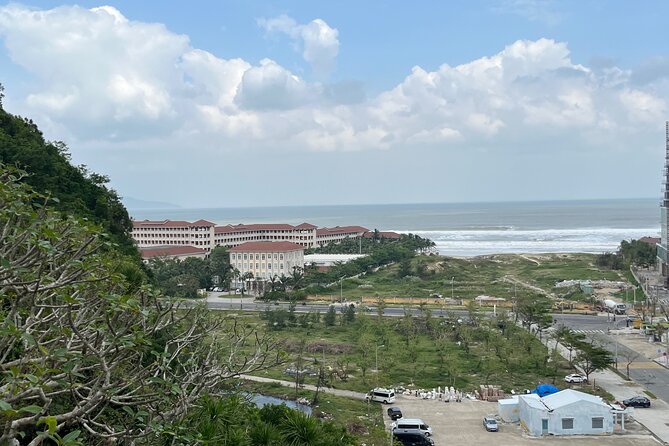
x: 100, y: 76
x: 318, y: 40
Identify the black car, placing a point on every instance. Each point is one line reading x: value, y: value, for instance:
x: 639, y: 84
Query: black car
x: 394, y: 413
x: 411, y: 439
x: 637, y: 401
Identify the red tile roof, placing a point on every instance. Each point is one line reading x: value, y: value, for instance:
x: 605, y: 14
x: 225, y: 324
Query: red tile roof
x: 169, y: 250
x: 266, y: 247
x: 253, y: 227
x: 305, y: 226
x: 340, y: 230
x: 383, y: 234
x: 170, y: 223
x: 650, y: 240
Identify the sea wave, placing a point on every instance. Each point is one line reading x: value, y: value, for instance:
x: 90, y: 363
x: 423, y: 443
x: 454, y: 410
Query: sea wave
x: 473, y: 242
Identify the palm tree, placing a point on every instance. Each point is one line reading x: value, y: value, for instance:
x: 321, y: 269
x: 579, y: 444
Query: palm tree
x: 299, y: 429
x: 296, y: 277
x: 264, y: 434
x: 247, y: 276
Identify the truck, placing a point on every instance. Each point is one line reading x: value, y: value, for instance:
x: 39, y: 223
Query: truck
x: 611, y: 306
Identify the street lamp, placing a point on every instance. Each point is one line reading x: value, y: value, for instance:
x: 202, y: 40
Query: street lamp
x: 452, y: 278
x: 341, y: 289
x: 377, y: 362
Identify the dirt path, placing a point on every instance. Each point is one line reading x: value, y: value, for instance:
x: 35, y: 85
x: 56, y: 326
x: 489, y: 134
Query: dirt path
x: 522, y: 256
x: 511, y: 279
x: 338, y: 392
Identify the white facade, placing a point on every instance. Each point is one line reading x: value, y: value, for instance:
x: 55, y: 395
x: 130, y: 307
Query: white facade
x: 509, y: 410
x: 266, y: 259
x: 567, y: 412
x: 206, y: 235
x: 173, y: 233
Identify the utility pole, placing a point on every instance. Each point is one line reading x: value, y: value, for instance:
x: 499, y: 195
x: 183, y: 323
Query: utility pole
x: 377, y: 363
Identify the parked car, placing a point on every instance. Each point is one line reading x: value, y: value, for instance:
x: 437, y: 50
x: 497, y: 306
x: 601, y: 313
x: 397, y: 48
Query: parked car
x: 394, y: 413
x: 637, y: 401
x: 412, y: 425
x: 490, y: 424
x: 575, y: 378
x: 381, y: 395
x: 413, y: 439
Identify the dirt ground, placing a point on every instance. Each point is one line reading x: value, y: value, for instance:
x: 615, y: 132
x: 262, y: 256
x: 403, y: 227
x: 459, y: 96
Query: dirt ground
x: 462, y: 423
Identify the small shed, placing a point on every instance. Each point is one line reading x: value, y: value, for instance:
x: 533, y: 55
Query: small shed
x: 568, y: 412
x: 508, y: 409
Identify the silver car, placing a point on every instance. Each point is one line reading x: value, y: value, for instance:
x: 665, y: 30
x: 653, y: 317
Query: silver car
x: 490, y: 424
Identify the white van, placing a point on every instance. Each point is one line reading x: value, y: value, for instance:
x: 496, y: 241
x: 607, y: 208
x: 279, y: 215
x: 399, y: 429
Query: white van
x: 381, y: 395
x: 412, y: 425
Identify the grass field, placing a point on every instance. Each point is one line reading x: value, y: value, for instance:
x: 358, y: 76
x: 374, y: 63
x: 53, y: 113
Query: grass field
x: 500, y: 276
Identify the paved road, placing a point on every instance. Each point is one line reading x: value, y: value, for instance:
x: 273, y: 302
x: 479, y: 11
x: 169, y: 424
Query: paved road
x: 649, y: 374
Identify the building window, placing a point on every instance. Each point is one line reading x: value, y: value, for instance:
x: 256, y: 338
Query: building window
x: 263, y: 257
x: 244, y: 256
x: 567, y: 423
x: 257, y: 256
x: 598, y: 423
x: 275, y: 256
x: 257, y: 265
x: 280, y: 256
x: 269, y: 266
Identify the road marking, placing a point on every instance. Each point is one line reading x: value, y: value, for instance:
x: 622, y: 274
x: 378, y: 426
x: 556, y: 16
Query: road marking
x: 588, y: 331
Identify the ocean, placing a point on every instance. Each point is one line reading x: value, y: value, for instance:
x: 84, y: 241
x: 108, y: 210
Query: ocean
x: 466, y: 229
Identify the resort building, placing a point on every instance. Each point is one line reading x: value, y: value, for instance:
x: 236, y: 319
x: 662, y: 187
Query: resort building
x: 206, y: 235
x: 338, y: 233
x: 199, y: 234
x: 265, y: 260
x: 172, y: 252
x: 233, y: 235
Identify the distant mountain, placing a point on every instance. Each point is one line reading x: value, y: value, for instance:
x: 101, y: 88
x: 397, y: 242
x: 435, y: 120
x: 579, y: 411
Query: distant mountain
x: 136, y: 203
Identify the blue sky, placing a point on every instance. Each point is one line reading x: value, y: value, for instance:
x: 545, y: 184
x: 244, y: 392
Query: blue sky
x: 347, y: 102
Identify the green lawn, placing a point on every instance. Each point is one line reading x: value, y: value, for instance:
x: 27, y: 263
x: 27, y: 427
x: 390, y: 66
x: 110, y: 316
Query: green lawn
x: 489, y: 275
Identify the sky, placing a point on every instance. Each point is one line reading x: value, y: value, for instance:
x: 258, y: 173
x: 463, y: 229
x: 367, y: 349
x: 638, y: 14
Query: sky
x: 257, y: 103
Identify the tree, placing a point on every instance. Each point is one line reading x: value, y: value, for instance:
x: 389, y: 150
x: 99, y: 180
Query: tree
x: 219, y: 265
x: 630, y: 356
x: 349, y: 314
x: 591, y: 358
x: 330, y: 317
x: 83, y: 351
x: 535, y: 310
x: 365, y: 347
x: 405, y: 268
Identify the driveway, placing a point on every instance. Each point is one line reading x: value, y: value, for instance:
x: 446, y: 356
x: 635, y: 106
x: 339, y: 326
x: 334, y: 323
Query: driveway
x: 462, y: 424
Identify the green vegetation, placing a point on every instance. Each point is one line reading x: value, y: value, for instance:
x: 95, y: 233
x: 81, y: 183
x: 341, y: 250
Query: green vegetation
x: 182, y: 278
x: 233, y: 420
x: 359, y: 417
x: 90, y: 353
x: 503, y: 276
x: 85, y: 353
x: 73, y: 190
x: 634, y: 252
x: 424, y: 351
x: 585, y: 354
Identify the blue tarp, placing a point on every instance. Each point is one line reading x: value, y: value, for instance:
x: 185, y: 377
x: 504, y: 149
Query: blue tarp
x: 545, y: 389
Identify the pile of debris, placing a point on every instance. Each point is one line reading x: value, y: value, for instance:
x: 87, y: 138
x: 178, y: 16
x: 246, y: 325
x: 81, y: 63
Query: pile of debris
x: 490, y: 393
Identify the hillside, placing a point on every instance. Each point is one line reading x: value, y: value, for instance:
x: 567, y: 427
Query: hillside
x: 77, y: 190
